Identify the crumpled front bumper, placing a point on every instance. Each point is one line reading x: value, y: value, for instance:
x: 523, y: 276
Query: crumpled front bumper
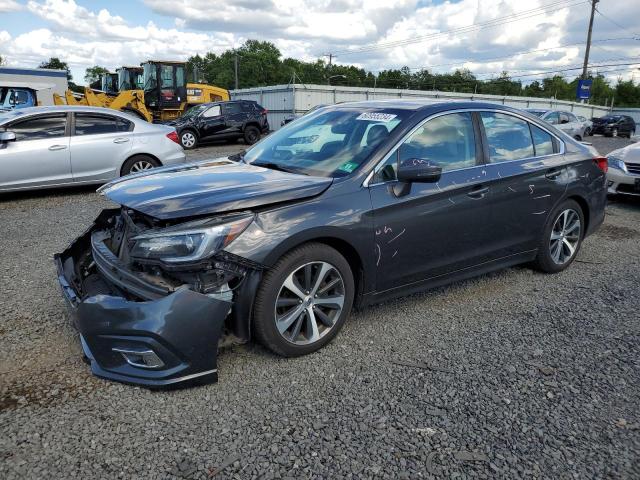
x: 168, y: 341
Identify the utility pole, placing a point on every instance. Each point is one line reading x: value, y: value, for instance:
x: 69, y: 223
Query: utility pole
x: 330, y: 55
x: 235, y: 68
x: 586, y: 50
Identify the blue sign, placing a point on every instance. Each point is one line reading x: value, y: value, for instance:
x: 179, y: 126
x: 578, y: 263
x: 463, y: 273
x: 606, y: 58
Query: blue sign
x: 584, y: 89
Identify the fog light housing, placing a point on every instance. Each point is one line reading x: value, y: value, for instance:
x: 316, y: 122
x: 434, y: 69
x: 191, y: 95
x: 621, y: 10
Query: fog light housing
x: 140, y: 358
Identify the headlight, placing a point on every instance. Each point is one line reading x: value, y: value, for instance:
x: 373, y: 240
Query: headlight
x: 615, y: 162
x: 190, y: 241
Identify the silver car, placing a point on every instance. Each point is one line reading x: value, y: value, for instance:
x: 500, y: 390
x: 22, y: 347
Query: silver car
x: 623, y: 175
x: 565, y: 121
x: 45, y: 147
x: 588, y: 125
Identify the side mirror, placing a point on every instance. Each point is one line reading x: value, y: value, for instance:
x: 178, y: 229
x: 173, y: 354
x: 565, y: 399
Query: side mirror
x: 418, y: 170
x: 6, y: 137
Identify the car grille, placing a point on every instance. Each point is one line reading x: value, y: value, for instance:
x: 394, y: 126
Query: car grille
x: 633, y: 168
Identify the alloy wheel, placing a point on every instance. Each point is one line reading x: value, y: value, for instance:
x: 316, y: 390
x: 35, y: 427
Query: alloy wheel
x: 140, y: 166
x: 565, y: 236
x: 309, y: 303
x: 188, y: 139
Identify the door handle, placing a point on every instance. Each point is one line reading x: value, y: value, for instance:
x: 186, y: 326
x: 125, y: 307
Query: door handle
x: 553, y: 174
x: 57, y: 147
x: 478, y: 192
x: 121, y: 140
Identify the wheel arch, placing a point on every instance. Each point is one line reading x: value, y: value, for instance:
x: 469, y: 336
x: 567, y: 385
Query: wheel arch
x: 138, y: 154
x: 584, y: 205
x: 242, y: 312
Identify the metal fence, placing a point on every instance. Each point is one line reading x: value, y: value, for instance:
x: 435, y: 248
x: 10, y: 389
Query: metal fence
x: 295, y: 99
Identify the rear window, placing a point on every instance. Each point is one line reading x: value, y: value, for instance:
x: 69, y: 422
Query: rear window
x: 509, y: 137
x: 87, y: 124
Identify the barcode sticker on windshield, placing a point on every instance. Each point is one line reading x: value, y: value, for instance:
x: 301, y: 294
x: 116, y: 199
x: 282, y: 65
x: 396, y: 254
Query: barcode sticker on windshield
x: 376, y: 116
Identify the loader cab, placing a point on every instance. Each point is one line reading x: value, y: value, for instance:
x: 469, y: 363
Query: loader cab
x: 130, y: 78
x: 165, y: 85
x: 15, y: 98
x: 109, y: 83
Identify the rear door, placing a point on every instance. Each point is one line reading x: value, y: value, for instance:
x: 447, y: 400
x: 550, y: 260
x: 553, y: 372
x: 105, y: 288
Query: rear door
x: 423, y: 230
x: 40, y: 154
x: 528, y: 177
x: 100, y: 144
x: 235, y: 115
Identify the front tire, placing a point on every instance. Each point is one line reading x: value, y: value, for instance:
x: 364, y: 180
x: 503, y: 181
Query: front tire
x: 138, y: 163
x: 303, y: 301
x: 188, y: 139
x: 561, y: 238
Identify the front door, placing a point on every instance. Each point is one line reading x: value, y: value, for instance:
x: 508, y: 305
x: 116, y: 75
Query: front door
x: 211, y: 122
x: 40, y: 154
x: 424, y: 230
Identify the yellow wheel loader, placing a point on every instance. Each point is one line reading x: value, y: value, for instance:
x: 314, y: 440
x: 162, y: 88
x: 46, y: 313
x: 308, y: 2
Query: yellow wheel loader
x: 165, y: 94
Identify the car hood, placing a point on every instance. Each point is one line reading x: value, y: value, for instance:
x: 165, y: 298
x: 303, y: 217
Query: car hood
x: 213, y: 186
x: 630, y: 153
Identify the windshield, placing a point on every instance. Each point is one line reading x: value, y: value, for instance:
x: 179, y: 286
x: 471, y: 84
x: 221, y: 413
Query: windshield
x: 193, y: 111
x: 328, y: 142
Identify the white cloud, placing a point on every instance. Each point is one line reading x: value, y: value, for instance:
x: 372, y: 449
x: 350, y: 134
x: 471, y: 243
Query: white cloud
x: 9, y: 6
x: 308, y: 28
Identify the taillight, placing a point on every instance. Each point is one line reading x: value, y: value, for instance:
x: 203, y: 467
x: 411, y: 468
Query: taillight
x: 173, y: 136
x: 602, y: 163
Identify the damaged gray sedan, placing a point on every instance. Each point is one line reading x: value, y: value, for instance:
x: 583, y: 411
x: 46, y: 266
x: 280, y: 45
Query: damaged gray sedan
x: 351, y: 205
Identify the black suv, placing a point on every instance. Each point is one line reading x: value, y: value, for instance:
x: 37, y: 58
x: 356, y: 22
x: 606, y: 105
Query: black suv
x: 614, y: 125
x: 221, y: 121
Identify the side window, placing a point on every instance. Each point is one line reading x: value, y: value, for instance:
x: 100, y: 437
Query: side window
x: 212, y: 112
x: 40, y: 128
x: 98, y: 124
x: 572, y: 117
x: 231, y: 108
x: 552, y: 118
x: 542, y: 141
x: 447, y: 141
x: 508, y: 137
x: 564, y: 118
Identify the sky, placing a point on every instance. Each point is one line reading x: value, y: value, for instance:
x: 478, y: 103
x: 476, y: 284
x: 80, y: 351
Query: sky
x: 524, y: 38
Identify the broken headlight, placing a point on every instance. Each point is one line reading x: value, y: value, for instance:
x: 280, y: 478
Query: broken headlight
x: 191, y: 241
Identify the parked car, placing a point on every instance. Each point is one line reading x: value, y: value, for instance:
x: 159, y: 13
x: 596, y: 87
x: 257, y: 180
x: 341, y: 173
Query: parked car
x: 614, y: 125
x: 292, y: 117
x: 221, y: 121
x: 358, y: 203
x: 565, y: 121
x: 588, y: 125
x: 624, y: 170
x: 45, y: 147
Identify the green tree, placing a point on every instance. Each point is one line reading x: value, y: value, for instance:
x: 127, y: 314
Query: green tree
x: 93, y: 74
x: 54, y: 63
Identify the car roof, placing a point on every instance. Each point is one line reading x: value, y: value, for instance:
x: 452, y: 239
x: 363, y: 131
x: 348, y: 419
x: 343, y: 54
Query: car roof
x: 24, y: 112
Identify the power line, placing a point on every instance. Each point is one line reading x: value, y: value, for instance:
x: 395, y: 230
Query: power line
x: 428, y: 67
x: 616, y: 23
x: 517, y: 16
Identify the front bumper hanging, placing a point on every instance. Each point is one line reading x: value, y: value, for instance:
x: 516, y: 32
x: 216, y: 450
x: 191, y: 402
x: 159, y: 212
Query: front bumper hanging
x: 168, y: 341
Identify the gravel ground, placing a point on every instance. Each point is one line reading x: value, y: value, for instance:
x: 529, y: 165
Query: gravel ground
x: 513, y: 374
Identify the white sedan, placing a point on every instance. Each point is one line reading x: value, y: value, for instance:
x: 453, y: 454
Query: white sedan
x: 623, y: 175
x: 46, y: 147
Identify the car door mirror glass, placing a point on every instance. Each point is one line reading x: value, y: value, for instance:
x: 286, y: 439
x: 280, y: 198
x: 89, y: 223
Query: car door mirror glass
x: 7, y: 137
x: 418, y: 170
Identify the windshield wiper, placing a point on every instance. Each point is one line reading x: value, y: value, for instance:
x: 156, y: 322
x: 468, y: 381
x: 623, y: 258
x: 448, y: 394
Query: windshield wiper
x: 275, y: 166
x: 237, y: 157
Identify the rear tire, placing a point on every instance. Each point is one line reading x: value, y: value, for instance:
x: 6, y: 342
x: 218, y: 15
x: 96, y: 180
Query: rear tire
x: 138, y: 163
x: 578, y: 138
x: 561, y: 238
x: 293, y: 316
x: 251, y: 134
x: 188, y: 139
